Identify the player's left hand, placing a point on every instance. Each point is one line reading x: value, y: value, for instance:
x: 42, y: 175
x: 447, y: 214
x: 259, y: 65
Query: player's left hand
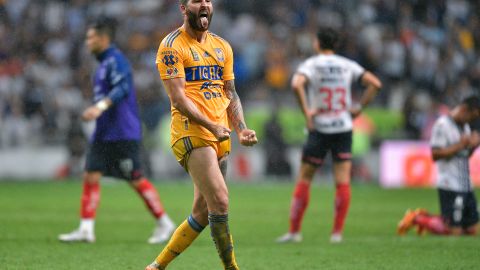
x: 247, y: 137
x: 474, y: 139
x: 91, y: 113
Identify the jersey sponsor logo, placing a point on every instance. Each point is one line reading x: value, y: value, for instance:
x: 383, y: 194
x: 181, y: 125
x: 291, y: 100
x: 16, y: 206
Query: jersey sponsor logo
x: 169, y: 59
x: 219, y: 54
x: 209, y: 95
x: 209, y: 85
x: 199, y: 73
x: 194, y: 55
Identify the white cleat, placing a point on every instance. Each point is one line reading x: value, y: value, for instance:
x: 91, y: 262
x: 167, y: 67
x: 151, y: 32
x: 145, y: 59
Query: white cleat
x: 164, y: 229
x: 336, y: 238
x: 290, y: 238
x: 78, y: 236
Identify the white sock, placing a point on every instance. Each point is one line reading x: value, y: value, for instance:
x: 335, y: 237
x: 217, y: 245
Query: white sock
x: 87, y: 224
x: 164, y: 220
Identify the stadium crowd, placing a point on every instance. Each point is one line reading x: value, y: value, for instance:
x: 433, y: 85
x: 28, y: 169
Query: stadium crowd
x: 426, y: 52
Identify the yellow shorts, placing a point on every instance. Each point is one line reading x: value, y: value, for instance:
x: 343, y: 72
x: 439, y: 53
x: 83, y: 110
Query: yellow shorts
x: 184, y: 146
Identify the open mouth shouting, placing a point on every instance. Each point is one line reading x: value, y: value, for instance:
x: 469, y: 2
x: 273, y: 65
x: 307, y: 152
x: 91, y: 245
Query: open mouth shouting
x: 204, y: 18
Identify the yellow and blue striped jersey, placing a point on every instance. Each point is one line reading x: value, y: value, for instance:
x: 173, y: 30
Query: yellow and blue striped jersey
x: 205, y: 66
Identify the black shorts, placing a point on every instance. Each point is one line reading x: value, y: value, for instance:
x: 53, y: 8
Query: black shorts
x: 120, y: 159
x: 459, y: 209
x: 319, y: 144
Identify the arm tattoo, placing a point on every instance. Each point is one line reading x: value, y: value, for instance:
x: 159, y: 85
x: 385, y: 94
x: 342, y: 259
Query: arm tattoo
x: 234, y: 110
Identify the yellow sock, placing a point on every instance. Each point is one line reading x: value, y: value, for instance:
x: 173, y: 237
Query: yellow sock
x: 181, y: 239
x: 223, y: 240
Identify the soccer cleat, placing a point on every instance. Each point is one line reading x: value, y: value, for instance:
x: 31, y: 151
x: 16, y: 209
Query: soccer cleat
x: 290, y: 238
x: 407, y: 221
x: 164, y: 229
x: 336, y: 238
x: 154, y: 266
x: 78, y: 236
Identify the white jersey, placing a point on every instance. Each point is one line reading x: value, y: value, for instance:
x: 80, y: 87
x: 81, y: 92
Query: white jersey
x: 330, y: 77
x: 453, y: 173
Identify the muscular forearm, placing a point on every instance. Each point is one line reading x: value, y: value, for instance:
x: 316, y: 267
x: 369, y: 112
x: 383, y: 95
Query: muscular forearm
x: 447, y: 152
x: 234, y: 110
x: 373, y: 85
x: 368, y: 95
x: 300, y: 95
x: 235, y: 115
x: 190, y: 110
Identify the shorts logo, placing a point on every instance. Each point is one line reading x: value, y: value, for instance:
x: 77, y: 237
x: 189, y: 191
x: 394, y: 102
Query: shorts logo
x: 194, y: 55
x: 126, y: 167
x: 169, y: 59
x: 219, y: 54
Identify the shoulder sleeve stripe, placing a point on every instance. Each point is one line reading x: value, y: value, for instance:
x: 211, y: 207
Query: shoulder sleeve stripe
x: 169, y: 36
x: 217, y: 36
x: 172, y: 38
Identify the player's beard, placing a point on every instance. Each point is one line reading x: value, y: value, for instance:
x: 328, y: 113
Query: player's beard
x: 195, y: 23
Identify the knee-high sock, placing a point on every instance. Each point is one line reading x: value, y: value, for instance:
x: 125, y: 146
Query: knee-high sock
x: 181, y: 239
x: 342, y: 203
x: 433, y: 224
x: 150, y: 196
x: 90, y: 199
x: 300, y: 199
x: 223, y: 240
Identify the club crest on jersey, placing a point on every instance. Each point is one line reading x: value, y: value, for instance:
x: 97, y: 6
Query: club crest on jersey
x: 169, y: 60
x: 194, y: 55
x: 219, y: 54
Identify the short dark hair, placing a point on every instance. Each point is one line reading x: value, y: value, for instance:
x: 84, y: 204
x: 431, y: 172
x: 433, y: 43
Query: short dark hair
x: 105, y: 26
x: 472, y: 103
x: 328, y: 38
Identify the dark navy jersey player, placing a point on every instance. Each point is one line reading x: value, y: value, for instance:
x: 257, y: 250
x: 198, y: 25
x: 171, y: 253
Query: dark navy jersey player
x: 113, y: 89
x: 115, y: 143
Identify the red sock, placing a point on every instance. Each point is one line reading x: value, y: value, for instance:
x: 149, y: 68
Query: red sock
x: 301, y: 197
x: 342, y: 202
x: 90, y: 199
x: 433, y: 224
x: 150, y: 196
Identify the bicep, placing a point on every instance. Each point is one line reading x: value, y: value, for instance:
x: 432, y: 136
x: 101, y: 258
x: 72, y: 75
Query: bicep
x: 175, y: 88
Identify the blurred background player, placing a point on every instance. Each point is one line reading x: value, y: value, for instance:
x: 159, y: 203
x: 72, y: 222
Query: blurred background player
x: 114, y: 148
x: 196, y: 67
x: 452, y: 144
x: 326, y: 78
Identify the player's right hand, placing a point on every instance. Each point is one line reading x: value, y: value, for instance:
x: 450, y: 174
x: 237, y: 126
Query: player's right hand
x: 91, y: 113
x: 220, y: 132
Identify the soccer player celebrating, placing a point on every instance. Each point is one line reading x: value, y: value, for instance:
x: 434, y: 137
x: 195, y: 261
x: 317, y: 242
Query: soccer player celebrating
x: 328, y: 111
x: 196, y: 67
x: 115, y: 144
x: 452, y: 144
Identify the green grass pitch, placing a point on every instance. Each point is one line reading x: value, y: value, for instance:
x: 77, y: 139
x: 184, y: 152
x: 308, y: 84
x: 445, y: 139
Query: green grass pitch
x: 32, y: 214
